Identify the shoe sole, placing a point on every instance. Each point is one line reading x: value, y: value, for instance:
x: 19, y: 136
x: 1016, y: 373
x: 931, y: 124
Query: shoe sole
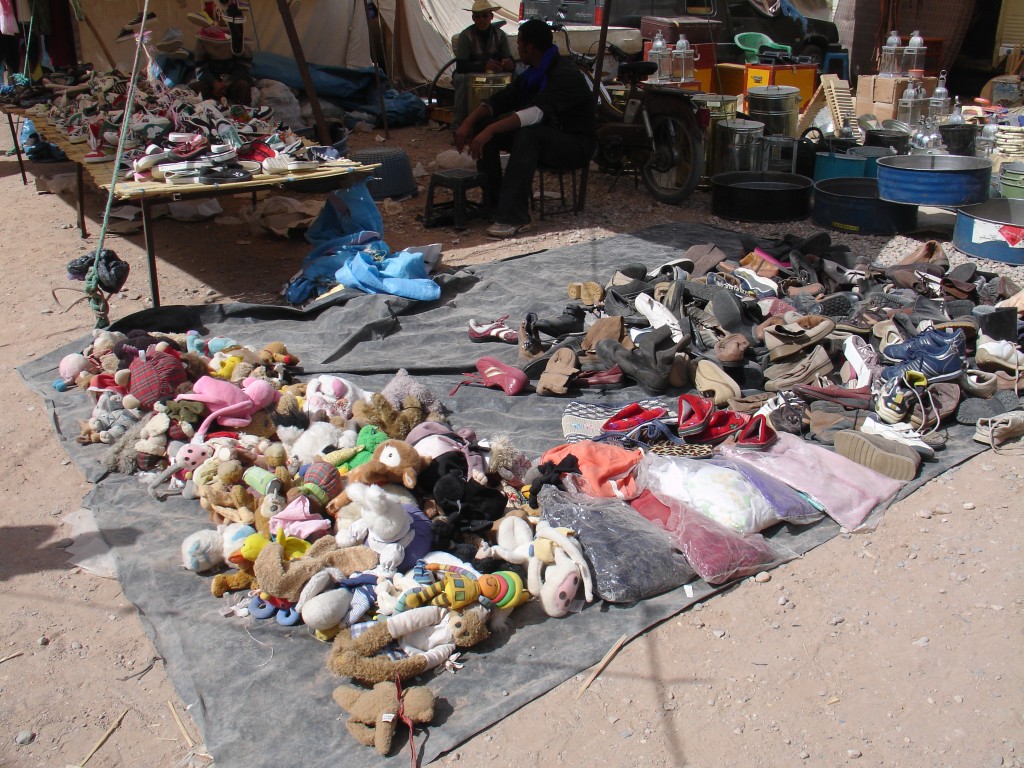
x: 856, y: 447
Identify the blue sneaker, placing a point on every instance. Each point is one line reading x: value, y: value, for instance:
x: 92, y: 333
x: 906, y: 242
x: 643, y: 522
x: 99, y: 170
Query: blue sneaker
x: 943, y: 365
x: 931, y: 342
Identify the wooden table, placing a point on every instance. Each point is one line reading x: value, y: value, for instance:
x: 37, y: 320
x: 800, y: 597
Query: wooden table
x: 10, y: 111
x: 340, y: 174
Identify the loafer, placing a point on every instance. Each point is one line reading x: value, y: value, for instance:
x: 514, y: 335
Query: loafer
x: 609, y: 378
x: 787, y: 375
x: 977, y: 383
x: 570, y: 321
x: 787, y: 339
x: 756, y: 435
x: 710, y: 378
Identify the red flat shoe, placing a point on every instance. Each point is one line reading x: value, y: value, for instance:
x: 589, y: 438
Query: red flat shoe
x: 757, y: 435
x: 494, y: 373
x: 695, y: 412
x: 722, y: 425
x: 191, y: 149
x: 610, y: 377
x: 631, y: 416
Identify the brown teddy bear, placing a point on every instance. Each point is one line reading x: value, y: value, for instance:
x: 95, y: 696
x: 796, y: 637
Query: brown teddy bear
x: 286, y: 578
x: 395, y: 423
x: 393, y: 461
x: 430, y: 635
x: 373, y: 716
x: 227, y: 499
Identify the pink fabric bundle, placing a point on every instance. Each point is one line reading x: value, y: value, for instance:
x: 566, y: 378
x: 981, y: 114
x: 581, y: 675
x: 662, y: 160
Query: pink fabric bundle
x: 847, y: 490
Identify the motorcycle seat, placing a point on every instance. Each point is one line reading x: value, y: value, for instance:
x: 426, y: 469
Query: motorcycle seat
x: 636, y: 71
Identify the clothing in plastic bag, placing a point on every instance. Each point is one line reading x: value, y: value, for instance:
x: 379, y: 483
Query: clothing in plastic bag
x: 345, y: 212
x: 630, y: 557
x: 608, y: 470
x: 722, y: 491
x: 845, y: 489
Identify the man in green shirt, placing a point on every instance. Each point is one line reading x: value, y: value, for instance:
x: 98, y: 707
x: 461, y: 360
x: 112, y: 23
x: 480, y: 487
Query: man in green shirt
x: 480, y: 48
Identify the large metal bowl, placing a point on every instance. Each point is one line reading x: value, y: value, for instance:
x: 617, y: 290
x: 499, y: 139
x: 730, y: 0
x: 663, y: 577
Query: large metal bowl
x: 944, y: 180
x: 760, y: 196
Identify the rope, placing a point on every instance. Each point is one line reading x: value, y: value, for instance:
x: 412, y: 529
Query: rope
x: 406, y: 719
x: 97, y: 301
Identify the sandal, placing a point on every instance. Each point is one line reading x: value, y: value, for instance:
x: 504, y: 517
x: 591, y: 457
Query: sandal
x: 493, y: 331
x: 494, y: 373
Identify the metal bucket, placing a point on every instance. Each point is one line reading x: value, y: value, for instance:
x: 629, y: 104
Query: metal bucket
x: 852, y: 205
x: 768, y: 197
x: 960, y: 139
x: 872, y: 154
x: 881, y: 137
x: 934, y: 179
x: 991, y: 230
x: 484, y: 86
x: 829, y: 165
x: 777, y: 106
x: 721, y: 107
x: 738, y: 146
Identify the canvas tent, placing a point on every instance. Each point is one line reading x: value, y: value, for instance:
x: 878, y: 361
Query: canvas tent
x: 418, y: 32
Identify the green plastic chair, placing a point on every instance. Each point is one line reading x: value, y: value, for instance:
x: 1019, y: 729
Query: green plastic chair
x: 751, y: 43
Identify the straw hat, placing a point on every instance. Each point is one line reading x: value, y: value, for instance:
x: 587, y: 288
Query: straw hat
x: 482, y: 6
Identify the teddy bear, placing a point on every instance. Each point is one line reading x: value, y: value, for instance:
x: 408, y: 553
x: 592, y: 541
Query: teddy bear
x: 395, y: 422
x: 227, y: 499
x: 373, y: 715
x: 402, y: 386
x: 284, y: 578
x: 151, y: 376
x: 332, y: 396
x: 393, y: 461
x: 399, y: 533
x: 276, y: 353
x: 109, y: 421
x: 428, y: 636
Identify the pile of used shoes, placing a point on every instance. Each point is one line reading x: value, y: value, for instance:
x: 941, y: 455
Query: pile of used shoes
x: 797, y: 335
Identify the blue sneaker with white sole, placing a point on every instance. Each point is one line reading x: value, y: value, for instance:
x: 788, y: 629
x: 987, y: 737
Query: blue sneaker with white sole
x: 944, y: 364
x: 928, y: 342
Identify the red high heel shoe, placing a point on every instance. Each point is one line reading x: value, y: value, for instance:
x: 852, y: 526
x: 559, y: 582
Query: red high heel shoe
x: 494, y: 373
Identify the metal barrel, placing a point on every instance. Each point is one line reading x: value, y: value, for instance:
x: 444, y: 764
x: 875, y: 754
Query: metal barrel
x: 777, y: 106
x: 738, y: 146
x: 722, y: 107
x: 934, y: 179
x: 484, y: 86
x: 853, y: 205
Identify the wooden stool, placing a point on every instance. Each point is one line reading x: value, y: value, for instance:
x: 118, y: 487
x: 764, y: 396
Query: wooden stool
x: 460, y: 207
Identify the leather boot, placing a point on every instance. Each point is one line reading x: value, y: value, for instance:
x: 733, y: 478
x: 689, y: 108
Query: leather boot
x: 1000, y: 323
x: 649, y: 363
x: 570, y: 321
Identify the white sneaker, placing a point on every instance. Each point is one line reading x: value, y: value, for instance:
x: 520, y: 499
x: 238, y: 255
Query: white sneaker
x: 1000, y: 354
x: 658, y: 315
x: 900, y: 433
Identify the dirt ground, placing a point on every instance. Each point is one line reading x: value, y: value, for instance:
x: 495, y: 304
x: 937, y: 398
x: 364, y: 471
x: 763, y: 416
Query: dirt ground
x: 899, y: 647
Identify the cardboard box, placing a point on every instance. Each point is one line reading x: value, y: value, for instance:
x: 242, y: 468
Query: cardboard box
x: 802, y: 76
x: 883, y: 111
x: 888, y: 90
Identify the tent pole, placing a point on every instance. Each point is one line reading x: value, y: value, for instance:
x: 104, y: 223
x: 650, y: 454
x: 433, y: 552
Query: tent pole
x: 376, y: 70
x: 300, y: 60
x: 598, y: 69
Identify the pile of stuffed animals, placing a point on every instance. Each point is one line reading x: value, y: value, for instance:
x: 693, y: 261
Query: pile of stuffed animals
x: 365, y: 515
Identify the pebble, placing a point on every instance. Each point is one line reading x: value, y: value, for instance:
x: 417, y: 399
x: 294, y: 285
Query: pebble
x: 44, y: 640
x: 24, y: 738
x: 75, y: 645
x: 738, y: 731
x: 987, y: 467
x: 613, y: 719
x: 718, y: 633
x: 763, y: 577
x: 958, y: 699
x: 968, y: 505
x: 210, y: 292
x: 853, y: 754
x: 775, y: 625
x: 924, y: 513
x: 783, y: 600
x: 921, y: 642
x: 626, y: 733
x: 836, y: 620
x: 804, y: 754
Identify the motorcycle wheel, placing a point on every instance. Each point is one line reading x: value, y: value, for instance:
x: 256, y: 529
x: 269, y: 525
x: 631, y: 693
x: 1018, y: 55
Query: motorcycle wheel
x: 674, y: 168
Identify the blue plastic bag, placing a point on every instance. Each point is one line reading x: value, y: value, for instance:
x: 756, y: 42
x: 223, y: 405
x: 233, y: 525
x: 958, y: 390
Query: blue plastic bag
x: 345, y: 212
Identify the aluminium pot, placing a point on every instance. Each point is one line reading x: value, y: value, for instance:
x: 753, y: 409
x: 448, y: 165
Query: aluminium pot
x: 943, y: 180
x: 852, y: 205
x: 760, y: 196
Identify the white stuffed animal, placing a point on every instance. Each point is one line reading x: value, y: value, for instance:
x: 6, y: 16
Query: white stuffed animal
x: 385, y: 526
x: 557, y: 570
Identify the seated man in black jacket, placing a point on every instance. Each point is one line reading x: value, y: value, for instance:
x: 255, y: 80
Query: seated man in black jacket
x: 546, y: 115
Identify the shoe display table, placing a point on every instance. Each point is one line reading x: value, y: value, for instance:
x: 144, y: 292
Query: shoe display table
x: 339, y: 174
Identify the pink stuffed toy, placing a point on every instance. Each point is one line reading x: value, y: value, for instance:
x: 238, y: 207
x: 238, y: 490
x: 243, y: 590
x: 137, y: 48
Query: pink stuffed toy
x: 228, y: 404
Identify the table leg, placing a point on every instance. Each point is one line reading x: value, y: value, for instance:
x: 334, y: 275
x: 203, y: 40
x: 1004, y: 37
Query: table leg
x: 80, y: 185
x: 17, y: 149
x: 147, y: 228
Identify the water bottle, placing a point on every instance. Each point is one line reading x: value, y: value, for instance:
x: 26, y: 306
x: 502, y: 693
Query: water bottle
x: 659, y: 55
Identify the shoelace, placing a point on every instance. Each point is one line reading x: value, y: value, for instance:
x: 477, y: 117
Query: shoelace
x: 994, y: 423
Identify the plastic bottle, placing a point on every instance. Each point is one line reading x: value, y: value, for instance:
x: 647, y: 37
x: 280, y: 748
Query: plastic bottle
x: 887, y: 63
x: 659, y: 55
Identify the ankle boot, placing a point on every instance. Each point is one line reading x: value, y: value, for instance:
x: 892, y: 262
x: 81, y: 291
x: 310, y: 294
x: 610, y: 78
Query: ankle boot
x: 649, y: 363
x: 570, y: 321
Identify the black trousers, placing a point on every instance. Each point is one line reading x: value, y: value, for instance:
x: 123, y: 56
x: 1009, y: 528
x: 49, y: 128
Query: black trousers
x: 528, y: 147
